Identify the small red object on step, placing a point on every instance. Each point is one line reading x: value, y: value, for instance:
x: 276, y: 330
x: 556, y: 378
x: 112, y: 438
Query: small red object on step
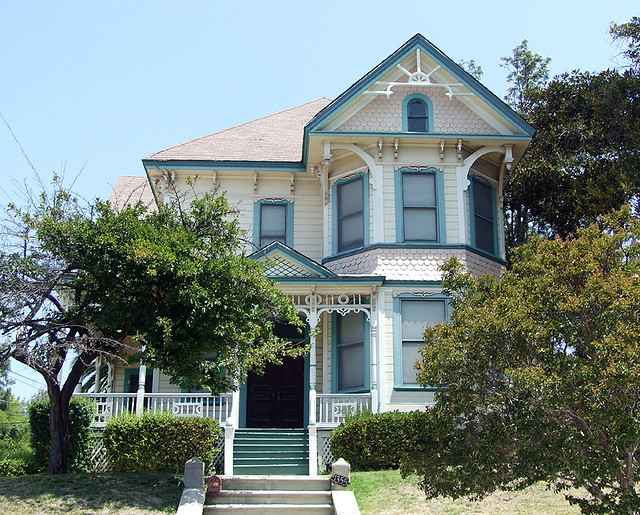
x: 214, y: 484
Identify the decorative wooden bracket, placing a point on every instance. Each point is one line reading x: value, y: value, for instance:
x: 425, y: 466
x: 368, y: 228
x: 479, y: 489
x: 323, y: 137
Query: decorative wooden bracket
x: 442, y: 149
x: 396, y: 144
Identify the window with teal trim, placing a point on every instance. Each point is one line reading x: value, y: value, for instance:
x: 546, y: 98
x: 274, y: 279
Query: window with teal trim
x: 412, y: 316
x: 419, y: 209
x: 483, y: 221
x: 273, y: 221
x: 350, y: 214
x: 350, y: 358
x: 417, y: 113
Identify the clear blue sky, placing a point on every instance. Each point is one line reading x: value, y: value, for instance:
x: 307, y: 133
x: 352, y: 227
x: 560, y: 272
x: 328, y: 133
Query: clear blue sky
x: 100, y: 85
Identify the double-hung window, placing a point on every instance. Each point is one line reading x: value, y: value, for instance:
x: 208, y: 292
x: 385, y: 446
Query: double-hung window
x: 350, y: 370
x: 483, y: 219
x: 272, y: 222
x: 350, y: 226
x: 413, y: 315
x: 419, y: 208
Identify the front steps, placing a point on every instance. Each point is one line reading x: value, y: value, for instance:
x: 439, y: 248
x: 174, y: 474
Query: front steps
x: 271, y: 496
x: 271, y: 452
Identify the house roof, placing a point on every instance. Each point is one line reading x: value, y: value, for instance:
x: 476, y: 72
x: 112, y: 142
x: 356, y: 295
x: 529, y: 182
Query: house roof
x: 273, y: 138
x: 130, y: 190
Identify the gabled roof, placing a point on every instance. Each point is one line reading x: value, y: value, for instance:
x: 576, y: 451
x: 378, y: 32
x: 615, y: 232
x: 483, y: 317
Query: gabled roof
x: 283, y: 262
x: 273, y: 138
x: 129, y: 190
x: 469, y: 85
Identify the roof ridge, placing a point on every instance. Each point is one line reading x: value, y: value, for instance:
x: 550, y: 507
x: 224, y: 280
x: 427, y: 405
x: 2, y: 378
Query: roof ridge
x: 239, y: 125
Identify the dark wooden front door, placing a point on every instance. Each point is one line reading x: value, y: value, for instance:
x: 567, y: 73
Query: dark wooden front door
x: 276, y: 399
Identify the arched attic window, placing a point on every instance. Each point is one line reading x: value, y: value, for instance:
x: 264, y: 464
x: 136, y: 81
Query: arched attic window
x: 417, y: 113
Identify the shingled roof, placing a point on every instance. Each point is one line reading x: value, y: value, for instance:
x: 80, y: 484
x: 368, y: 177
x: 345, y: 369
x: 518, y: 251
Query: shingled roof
x: 276, y: 137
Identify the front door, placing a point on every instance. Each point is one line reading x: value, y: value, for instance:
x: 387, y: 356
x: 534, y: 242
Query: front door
x: 276, y: 398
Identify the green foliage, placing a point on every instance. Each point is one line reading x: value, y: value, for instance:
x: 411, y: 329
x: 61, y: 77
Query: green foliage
x: 15, y: 467
x: 540, y: 372
x: 526, y: 71
x: 82, y: 412
x: 379, y: 441
x: 629, y: 34
x: 584, y: 159
x: 175, y: 282
x: 157, y: 442
x: 14, y: 429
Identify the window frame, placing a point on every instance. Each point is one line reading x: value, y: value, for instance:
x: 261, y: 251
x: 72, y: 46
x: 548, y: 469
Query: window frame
x: 405, y: 112
x: 398, y: 377
x: 439, y: 207
x: 366, y: 222
x: 475, y: 180
x: 335, y: 360
x: 257, y: 220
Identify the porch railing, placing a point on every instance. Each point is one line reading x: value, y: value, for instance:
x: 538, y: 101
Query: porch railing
x: 333, y: 408
x: 109, y: 405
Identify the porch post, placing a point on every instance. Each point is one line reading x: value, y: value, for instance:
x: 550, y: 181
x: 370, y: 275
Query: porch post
x: 313, y: 436
x: 373, y: 351
x: 142, y: 375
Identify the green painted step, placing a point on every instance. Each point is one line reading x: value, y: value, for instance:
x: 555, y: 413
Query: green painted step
x: 271, y: 451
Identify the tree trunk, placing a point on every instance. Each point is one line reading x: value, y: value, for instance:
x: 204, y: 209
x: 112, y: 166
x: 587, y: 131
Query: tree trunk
x: 59, y: 425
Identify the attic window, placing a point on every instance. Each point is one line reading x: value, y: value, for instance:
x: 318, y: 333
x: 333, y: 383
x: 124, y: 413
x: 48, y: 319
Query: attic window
x: 417, y: 116
x: 417, y: 110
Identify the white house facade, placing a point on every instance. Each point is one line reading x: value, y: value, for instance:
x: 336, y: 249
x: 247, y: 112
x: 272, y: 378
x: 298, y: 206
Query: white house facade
x: 353, y: 204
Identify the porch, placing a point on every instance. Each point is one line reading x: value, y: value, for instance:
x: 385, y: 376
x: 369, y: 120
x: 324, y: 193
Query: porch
x: 331, y: 409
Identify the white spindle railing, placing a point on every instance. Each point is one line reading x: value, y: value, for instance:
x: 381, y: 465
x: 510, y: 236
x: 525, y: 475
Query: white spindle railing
x: 334, y: 408
x: 111, y: 405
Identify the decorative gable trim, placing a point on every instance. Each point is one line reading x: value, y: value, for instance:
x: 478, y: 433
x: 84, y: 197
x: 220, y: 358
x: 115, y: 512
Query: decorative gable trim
x: 281, y: 261
x: 417, y: 44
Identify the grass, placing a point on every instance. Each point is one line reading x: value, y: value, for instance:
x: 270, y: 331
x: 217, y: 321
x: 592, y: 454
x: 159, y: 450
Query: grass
x: 378, y: 493
x: 91, y: 494
x: 386, y: 493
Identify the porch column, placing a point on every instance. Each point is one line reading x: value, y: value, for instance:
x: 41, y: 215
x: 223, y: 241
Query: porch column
x: 374, y: 365
x: 312, y: 319
x: 373, y: 350
x: 142, y: 374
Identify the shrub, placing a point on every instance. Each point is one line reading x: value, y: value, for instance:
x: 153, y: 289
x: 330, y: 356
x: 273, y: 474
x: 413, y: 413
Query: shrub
x: 378, y: 442
x: 160, y: 442
x: 15, y: 467
x: 82, y: 412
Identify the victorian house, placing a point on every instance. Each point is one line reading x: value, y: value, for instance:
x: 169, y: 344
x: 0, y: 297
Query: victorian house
x: 352, y: 204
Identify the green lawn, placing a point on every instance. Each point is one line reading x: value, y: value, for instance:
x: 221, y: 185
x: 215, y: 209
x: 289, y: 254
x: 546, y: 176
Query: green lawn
x: 90, y: 494
x: 145, y: 494
x: 385, y: 493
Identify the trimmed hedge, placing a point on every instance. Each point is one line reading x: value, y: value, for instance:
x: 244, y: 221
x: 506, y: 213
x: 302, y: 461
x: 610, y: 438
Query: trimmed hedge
x: 379, y: 442
x: 82, y: 412
x: 160, y: 442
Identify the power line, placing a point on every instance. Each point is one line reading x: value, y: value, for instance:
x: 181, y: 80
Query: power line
x: 34, y: 381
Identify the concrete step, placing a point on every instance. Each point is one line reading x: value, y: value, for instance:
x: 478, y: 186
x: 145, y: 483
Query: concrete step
x: 268, y: 509
x: 269, y: 497
x: 273, y: 495
x: 262, y: 483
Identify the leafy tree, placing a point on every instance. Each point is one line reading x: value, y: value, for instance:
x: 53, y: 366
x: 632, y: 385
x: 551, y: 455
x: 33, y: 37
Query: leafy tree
x: 628, y: 33
x: 584, y: 160
x: 84, y: 279
x: 540, y: 373
x: 473, y: 69
x: 526, y: 71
